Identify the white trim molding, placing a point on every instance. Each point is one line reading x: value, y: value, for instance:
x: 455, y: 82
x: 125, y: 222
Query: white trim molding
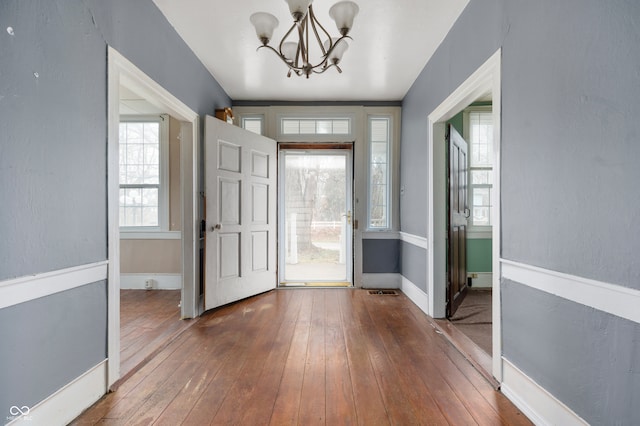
x: 611, y: 298
x: 370, y: 280
x: 534, y: 401
x: 23, y: 289
x: 380, y: 235
x: 415, y: 294
x: 69, y: 402
x: 150, y: 235
x: 416, y: 240
x: 159, y: 281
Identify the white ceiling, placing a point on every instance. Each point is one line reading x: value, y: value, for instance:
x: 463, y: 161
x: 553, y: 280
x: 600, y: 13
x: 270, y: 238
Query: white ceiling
x: 392, y: 41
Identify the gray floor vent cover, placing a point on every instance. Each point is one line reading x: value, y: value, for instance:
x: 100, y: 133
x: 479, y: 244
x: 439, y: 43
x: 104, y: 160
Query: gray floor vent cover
x: 384, y: 292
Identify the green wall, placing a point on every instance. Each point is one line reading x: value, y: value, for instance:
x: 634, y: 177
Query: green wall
x: 479, y: 255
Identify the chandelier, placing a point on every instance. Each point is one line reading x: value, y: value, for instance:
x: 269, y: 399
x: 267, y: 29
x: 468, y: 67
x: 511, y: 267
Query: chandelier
x: 296, y: 54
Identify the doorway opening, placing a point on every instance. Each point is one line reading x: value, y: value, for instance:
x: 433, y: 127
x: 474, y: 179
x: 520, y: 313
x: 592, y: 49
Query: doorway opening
x: 483, y: 85
x: 469, y: 292
x: 134, y: 206
x: 315, y: 215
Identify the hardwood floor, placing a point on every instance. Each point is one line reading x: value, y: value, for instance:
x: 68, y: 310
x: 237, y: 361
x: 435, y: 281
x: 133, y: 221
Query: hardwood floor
x: 308, y: 357
x: 149, y: 319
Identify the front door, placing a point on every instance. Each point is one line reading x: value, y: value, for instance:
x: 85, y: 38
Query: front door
x: 458, y: 215
x: 240, y: 238
x: 316, y: 215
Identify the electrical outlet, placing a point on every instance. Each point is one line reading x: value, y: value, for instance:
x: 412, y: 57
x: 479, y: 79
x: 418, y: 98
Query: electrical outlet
x: 148, y: 284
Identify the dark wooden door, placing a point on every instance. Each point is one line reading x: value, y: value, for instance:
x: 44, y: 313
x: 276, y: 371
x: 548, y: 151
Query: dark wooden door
x: 457, y: 220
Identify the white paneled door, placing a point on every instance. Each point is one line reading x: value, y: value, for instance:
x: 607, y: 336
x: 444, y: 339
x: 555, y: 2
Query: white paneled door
x: 241, y: 188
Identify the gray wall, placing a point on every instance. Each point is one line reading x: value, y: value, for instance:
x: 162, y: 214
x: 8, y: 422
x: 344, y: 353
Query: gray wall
x: 413, y: 264
x: 596, y: 355
x: 50, y: 341
x: 380, y: 256
x: 570, y: 199
x: 53, y: 166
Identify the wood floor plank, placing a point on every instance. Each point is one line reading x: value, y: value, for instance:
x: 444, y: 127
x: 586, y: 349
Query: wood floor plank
x: 252, y: 319
x: 265, y: 388
x: 313, y: 392
x: 340, y: 405
x: 391, y: 388
x: 307, y: 357
x: 370, y: 406
x: 287, y: 403
x: 433, y: 400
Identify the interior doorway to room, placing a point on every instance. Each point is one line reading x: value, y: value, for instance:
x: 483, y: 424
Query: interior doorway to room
x: 135, y: 204
x: 469, y: 307
x: 484, y: 202
x: 150, y: 227
x: 315, y: 215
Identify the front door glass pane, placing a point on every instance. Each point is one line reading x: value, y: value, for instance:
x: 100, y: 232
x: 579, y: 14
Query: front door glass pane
x: 317, y: 218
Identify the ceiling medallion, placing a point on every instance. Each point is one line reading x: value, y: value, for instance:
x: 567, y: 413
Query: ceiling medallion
x: 296, y: 53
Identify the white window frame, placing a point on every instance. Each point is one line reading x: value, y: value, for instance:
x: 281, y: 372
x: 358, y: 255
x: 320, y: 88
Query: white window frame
x: 129, y: 232
x: 390, y: 171
x: 253, y: 117
x: 476, y: 231
x: 315, y: 137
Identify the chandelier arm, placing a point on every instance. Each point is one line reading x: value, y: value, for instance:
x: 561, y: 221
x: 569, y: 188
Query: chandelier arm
x: 285, y: 37
x: 296, y: 69
x: 315, y: 21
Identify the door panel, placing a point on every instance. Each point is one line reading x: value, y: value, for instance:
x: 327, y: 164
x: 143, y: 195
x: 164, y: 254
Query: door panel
x: 240, y: 243
x: 458, y: 216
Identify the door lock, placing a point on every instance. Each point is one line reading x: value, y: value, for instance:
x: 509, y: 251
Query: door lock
x: 216, y: 227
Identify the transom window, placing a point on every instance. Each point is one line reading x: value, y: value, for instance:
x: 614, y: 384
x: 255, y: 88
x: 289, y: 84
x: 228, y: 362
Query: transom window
x: 143, y: 148
x: 253, y: 124
x: 313, y: 126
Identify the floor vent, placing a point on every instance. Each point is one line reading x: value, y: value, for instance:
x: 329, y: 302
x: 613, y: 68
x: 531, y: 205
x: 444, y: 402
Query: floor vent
x: 383, y: 292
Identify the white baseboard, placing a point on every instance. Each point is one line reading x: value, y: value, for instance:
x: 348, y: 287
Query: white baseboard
x: 484, y: 280
x: 160, y: 281
x: 535, y: 402
x: 416, y: 295
x: 67, y: 403
x: 381, y: 280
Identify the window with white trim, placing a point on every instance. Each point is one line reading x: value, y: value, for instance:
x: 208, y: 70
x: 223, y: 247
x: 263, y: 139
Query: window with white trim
x: 254, y: 124
x: 315, y: 126
x: 379, y: 173
x: 143, y: 145
x: 480, y: 137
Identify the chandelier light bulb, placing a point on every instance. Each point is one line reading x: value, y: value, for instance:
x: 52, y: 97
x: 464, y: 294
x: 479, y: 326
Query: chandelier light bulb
x: 298, y: 8
x: 294, y: 48
x: 264, y: 23
x: 343, y: 13
x: 339, y: 47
